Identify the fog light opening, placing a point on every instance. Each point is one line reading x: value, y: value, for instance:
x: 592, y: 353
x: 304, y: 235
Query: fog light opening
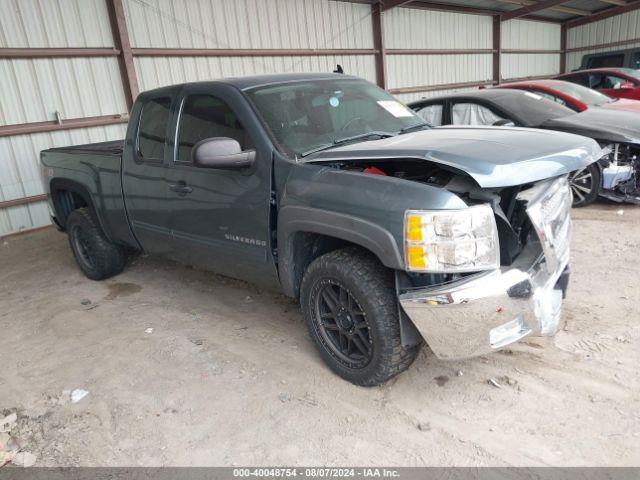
x: 508, y: 332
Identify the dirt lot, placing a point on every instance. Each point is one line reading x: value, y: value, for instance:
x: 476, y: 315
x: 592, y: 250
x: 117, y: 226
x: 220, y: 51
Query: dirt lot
x: 228, y: 375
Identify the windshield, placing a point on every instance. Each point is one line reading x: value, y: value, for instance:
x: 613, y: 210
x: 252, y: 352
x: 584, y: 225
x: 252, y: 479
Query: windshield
x: 306, y: 116
x: 583, y: 94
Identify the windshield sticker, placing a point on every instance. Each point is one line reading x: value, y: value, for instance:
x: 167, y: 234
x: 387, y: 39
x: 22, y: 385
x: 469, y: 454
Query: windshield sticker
x: 334, y: 102
x: 395, y: 108
x: 533, y: 95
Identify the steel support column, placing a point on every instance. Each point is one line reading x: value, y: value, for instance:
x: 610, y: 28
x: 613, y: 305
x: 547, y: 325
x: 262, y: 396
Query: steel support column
x: 121, y: 42
x: 378, y: 45
x: 563, y: 48
x: 497, y: 45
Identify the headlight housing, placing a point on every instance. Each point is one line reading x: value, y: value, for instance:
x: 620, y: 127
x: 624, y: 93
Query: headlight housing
x: 451, y: 241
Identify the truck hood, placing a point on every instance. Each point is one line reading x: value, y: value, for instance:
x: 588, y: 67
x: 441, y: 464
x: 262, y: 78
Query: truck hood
x: 600, y: 123
x: 493, y: 156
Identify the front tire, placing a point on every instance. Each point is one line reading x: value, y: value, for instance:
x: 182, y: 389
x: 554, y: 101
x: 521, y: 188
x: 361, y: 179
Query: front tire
x: 349, y: 304
x: 585, y: 185
x: 97, y: 257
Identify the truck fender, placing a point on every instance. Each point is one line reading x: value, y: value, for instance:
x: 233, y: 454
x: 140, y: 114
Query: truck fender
x: 58, y: 184
x: 294, y: 219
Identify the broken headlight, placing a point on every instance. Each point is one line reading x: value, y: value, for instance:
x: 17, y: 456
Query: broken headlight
x: 449, y: 241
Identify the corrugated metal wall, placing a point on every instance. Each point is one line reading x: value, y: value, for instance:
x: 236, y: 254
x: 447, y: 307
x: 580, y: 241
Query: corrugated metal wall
x: 529, y: 35
x: 54, y: 23
x: 406, y: 28
x: 290, y: 24
x: 158, y: 71
x: 33, y: 90
x: 20, y: 173
x: 614, y: 29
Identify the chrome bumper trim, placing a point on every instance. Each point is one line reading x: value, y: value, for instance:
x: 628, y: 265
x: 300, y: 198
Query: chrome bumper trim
x: 486, y: 312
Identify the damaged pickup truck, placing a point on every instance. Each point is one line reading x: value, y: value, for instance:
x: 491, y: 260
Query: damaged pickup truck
x: 389, y: 232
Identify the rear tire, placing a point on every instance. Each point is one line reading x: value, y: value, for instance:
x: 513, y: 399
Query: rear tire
x: 97, y: 257
x: 349, y: 304
x: 585, y: 185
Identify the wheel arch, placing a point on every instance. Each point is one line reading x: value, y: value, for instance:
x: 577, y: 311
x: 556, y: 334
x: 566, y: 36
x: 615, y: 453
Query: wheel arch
x: 305, y: 233
x: 67, y: 196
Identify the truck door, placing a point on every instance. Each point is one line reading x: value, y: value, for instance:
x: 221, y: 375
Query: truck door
x: 220, y: 218
x: 145, y: 161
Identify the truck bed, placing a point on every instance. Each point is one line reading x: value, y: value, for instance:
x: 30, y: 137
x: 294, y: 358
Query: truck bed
x: 92, y: 171
x: 114, y: 147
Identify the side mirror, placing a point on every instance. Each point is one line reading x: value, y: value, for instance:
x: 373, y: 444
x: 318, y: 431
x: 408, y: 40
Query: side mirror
x: 222, y: 153
x: 503, y: 122
x: 626, y: 85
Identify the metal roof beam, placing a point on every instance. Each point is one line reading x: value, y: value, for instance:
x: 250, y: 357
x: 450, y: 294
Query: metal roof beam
x: 450, y: 7
x: 604, y: 13
x: 528, y: 9
x: 614, y: 2
x: 389, y: 4
x: 557, y: 8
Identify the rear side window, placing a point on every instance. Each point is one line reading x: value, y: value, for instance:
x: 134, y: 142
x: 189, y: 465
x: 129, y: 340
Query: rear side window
x: 432, y: 114
x: 596, y: 81
x: 153, y: 129
x: 606, y: 61
x: 473, y: 114
x: 204, y: 116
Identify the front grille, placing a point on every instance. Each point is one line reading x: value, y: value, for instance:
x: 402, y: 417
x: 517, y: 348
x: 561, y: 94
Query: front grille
x: 548, y: 207
x: 514, y: 226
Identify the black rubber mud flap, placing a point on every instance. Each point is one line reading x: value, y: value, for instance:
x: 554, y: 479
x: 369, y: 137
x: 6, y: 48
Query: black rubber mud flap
x: 563, y: 281
x: 409, y: 334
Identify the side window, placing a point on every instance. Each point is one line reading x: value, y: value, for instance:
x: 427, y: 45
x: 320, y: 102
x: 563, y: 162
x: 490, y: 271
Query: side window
x: 432, y: 114
x: 551, y: 97
x: 596, y: 81
x: 611, y: 81
x: 579, y: 79
x: 153, y: 129
x: 606, y: 61
x: 205, y: 116
x: 473, y: 114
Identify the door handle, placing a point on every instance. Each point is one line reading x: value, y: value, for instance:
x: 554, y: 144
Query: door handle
x: 181, y: 188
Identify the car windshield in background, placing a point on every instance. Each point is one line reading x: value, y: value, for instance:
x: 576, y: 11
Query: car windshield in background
x: 529, y: 108
x: 309, y: 116
x: 631, y: 72
x: 583, y: 94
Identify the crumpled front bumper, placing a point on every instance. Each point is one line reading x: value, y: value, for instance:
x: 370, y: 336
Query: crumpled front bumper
x: 484, y: 312
x: 488, y: 311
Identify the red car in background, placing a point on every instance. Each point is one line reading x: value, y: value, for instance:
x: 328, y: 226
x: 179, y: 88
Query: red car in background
x: 615, y: 82
x: 574, y: 96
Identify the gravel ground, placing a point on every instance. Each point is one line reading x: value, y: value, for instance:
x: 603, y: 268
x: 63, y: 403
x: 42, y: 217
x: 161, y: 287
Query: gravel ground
x: 188, y: 368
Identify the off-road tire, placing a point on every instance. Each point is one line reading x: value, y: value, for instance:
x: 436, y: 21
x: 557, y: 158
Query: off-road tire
x: 596, y: 180
x: 372, y: 286
x: 97, y: 257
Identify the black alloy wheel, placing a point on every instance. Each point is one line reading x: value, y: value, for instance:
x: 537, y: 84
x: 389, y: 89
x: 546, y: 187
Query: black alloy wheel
x: 97, y: 256
x: 343, y: 325
x: 82, y: 247
x: 350, y: 306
